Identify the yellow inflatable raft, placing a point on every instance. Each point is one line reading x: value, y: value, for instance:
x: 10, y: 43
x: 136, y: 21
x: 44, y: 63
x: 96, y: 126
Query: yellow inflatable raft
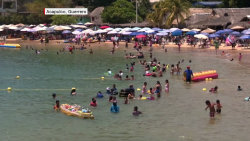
x: 66, y: 109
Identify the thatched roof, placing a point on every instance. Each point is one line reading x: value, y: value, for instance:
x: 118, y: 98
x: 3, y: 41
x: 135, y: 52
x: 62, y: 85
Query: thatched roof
x: 245, y: 24
x: 221, y: 21
x: 195, y: 18
x: 142, y: 24
x: 231, y: 11
x: 97, y: 12
x: 193, y: 11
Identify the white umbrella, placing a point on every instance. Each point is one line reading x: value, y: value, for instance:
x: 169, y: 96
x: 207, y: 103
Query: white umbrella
x: 25, y: 29
x: 93, y: 32
x: 195, y: 29
x: 112, y: 32
x: 141, y: 30
x: 41, y: 28
x: 87, y: 31
x: 88, y: 23
x: 101, y: 31
x: 185, y: 30
x: 126, y: 33
x: 237, y: 27
x: 59, y: 28
x: 1, y: 29
x: 32, y: 30
x: 200, y: 36
x: 13, y: 27
x: 173, y: 29
x: 150, y: 31
x: 66, y: 27
x: 76, y: 32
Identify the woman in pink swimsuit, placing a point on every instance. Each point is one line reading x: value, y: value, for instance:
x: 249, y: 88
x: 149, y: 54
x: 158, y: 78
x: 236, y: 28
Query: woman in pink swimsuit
x: 144, y: 88
x: 167, y: 86
x: 240, y: 57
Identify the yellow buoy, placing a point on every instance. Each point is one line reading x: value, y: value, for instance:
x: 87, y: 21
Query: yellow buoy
x: 138, y: 89
x: 210, y: 79
x: 102, y: 77
x: 204, y: 89
x: 206, y: 79
x: 9, y: 88
x: 17, y: 77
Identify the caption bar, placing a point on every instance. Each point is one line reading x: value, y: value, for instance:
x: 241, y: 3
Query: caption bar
x: 65, y: 11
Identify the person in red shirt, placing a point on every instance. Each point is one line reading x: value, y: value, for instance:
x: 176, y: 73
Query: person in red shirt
x: 93, y: 102
x: 71, y: 49
x: 57, y: 106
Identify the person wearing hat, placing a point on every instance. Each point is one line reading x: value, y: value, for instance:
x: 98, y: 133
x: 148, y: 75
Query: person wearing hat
x: 188, y: 73
x: 73, y: 91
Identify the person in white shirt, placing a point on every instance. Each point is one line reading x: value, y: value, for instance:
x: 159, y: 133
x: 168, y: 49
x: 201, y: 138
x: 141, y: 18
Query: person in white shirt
x: 109, y: 72
x: 120, y: 73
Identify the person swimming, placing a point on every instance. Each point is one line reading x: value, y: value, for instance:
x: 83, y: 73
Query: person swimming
x: 190, y: 61
x: 109, y: 72
x: 115, y: 108
x: 232, y: 59
x: 213, y: 89
x: 99, y: 94
x: 93, y: 102
x: 57, y: 106
x: 73, y: 91
x: 126, y: 101
x: 136, y: 112
x: 239, y: 88
x: 54, y: 95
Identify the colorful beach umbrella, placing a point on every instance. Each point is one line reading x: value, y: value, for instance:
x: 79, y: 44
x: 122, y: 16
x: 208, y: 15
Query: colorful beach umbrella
x: 104, y: 27
x: 140, y: 36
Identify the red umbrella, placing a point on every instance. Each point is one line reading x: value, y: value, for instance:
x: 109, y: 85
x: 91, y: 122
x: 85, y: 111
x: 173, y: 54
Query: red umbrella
x: 140, y: 36
x: 104, y: 26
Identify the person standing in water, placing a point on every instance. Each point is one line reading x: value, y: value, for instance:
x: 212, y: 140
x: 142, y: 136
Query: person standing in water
x: 188, y: 73
x: 144, y: 88
x: 218, y: 106
x: 73, y: 91
x: 240, y: 56
x: 54, y: 95
x: 57, y: 106
x: 211, y: 108
x: 167, y: 86
x: 115, y: 108
x: 91, y: 51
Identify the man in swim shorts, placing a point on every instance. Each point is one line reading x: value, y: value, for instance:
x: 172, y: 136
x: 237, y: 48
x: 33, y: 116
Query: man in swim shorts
x: 188, y: 73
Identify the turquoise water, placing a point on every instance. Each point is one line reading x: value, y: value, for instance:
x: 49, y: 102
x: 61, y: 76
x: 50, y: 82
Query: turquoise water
x: 27, y: 111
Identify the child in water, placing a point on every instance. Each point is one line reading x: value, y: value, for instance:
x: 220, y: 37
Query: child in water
x: 240, y: 57
x: 109, y: 72
x: 218, y: 106
x: 214, y: 89
x: 167, y: 86
x: 57, y: 106
x: 211, y: 108
x: 54, y: 95
x: 126, y: 101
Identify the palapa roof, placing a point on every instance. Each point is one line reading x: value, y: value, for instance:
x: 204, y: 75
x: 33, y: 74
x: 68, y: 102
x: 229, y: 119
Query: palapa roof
x: 194, y: 11
x: 231, y: 11
x: 195, y: 18
x: 245, y: 24
x: 97, y: 12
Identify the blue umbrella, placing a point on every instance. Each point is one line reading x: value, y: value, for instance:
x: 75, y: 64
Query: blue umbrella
x: 220, y: 32
x: 206, y: 34
x: 235, y: 33
x: 177, y: 33
x: 162, y: 34
x: 66, y: 32
x: 137, y: 33
x: 228, y: 30
x: 245, y: 37
x: 78, y: 30
x: 191, y: 33
x: 247, y: 32
x: 156, y: 29
x: 213, y: 35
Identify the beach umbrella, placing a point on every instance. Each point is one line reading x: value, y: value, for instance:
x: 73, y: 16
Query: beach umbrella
x: 176, y: 33
x: 213, y: 35
x: 185, y: 30
x: 156, y: 29
x: 146, y: 28
x: 93, y: 32
x: 200, y: 36
x: 109, y: 29
x: 220, y: 32
x: 66, y: 32
x: 247, y: 32
x: 76, y: 32
x: 173, y: 29
x: 31, y: 30
x: 126, y: 33
x: 191, y: 33
x: 13, y: 27
x: 140, y: 36
x: 126, y: 29
x: 80, y: 23
x: 59, y: 28
x: 228, y: 30
x: 244, y: 31
x: 206, y: 34
x: 162, y: 34
x: 25, y: 29
x: 87, y: 31
x: 102, y: 31
x: 237, y: 27
x: 244, y: 37
x: 165, y: 31
x: 66, y: 27
x: 195, y: 29
x: 88, y: 23
x: 141, y: 30
x: 1, y: 29
x: 208, y: 30
x: 112, y: 32
x: 235, y: 33
x: 118, y: 29
x: 134, y: 34
x: 104, y: 27
x: 150, y: 31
